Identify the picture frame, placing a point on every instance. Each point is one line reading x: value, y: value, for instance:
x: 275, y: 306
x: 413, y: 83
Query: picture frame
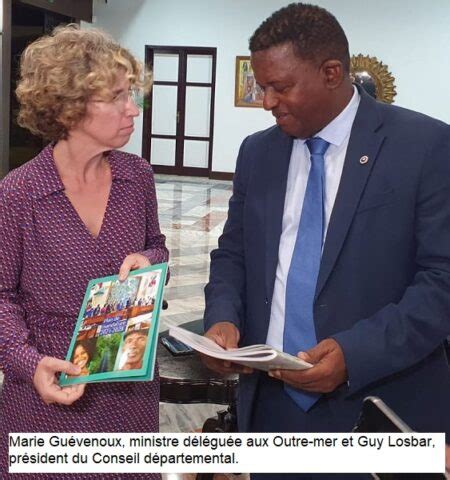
x: 373, y: 76
x: 247, y: 92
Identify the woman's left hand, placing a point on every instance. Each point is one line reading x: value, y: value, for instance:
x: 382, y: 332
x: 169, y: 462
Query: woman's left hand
x: 132, y: 262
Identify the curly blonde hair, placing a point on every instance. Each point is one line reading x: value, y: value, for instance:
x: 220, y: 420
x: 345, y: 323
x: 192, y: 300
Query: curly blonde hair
x: 60, y: 72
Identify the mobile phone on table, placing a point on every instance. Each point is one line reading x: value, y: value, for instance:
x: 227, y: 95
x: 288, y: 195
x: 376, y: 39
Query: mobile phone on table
x: 176, y: 347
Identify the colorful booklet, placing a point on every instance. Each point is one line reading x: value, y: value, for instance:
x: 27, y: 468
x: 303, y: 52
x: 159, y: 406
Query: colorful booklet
x: 261, y: 357
x: 116, y: 335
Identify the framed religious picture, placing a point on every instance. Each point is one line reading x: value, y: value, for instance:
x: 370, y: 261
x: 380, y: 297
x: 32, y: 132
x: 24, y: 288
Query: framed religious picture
x: 247, y: 92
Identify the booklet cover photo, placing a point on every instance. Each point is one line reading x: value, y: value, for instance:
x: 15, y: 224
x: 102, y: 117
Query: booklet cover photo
x: 116, y: 334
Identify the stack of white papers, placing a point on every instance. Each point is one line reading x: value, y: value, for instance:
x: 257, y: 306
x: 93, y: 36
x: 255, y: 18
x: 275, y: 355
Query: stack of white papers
x: 261, y: 357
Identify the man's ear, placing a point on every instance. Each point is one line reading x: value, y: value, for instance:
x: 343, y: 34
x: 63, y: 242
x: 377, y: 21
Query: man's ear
x: 333, y: 73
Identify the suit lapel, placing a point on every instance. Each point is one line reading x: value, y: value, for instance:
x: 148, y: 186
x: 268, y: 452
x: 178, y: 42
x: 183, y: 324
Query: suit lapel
x: 362, y: 151
x: 276, y: 172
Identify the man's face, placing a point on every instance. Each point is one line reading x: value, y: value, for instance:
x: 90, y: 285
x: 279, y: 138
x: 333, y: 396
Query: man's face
x: 135, y: 346
x: 295, y: 90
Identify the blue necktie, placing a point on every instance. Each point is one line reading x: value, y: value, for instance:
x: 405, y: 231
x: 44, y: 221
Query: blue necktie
x: 299, y: 331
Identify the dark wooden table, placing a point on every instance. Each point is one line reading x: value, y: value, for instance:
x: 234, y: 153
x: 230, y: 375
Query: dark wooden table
x: 184, y: 379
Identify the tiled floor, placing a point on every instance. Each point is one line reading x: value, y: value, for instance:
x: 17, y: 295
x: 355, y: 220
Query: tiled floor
x: 192, y: 212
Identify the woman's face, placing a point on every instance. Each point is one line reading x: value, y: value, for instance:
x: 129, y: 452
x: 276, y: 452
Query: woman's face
x: 109, y: 124
x: 81, y: 356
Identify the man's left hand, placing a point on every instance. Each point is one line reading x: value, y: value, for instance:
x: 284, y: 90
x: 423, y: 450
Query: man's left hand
x: 329, y: 370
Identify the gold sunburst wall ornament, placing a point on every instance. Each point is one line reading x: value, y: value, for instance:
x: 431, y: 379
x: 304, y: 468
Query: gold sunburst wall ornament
x: 373, y: 76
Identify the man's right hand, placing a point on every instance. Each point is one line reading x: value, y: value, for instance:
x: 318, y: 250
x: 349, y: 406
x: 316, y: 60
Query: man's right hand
x: 46, y: 384
x: 226, y: 335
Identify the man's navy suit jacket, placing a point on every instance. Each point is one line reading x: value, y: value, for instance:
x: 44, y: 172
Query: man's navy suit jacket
x: 383, y: 290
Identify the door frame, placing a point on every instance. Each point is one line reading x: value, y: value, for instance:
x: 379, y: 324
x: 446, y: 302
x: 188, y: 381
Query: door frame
x: 182, y: 84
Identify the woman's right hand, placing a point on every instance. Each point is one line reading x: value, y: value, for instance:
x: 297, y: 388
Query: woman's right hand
x: 46, y: 382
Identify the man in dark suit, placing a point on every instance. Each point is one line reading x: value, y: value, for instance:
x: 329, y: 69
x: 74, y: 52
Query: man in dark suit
x: 337, y: 243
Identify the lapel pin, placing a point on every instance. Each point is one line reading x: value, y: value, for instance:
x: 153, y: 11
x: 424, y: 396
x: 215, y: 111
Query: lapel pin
x: 364, y: 159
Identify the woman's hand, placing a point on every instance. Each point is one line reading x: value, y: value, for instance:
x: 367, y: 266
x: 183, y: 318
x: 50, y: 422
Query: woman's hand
x: 132, y: 262
x: 46, y: 383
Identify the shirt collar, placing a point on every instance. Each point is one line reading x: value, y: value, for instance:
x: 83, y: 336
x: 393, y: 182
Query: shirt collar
x: 46, y: 179
x: 121, y: 168
x: 339, y: 128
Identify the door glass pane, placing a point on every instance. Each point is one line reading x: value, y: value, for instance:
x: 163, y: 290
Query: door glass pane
x: 164, y: 110
x: 195, y: 154
x: 199, y: 68
x: 165, y: 67
x: 198, y: 103
x: 162, y: 152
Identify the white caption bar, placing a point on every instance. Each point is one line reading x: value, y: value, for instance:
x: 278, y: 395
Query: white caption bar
x: 226, y: 453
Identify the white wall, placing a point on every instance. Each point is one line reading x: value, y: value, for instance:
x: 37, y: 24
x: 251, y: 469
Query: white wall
x: 412, y: 37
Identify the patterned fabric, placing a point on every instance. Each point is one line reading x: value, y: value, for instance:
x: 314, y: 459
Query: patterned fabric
x: 47, y: 257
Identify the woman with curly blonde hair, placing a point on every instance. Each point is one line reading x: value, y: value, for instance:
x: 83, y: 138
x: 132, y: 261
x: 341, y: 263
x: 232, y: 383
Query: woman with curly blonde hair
x: 72, y: 213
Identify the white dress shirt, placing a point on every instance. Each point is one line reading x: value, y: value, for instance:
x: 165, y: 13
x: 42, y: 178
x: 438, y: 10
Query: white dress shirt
x: 337, y: 134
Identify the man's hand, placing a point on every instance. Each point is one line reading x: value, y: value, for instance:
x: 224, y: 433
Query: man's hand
x: 132, y: 262
x: 226, y: 335
x: 46, y: 383
x: 328, y: 373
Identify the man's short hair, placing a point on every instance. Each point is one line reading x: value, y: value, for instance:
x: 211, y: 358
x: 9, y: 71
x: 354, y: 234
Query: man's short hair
x: 313, y: 31
x: 140, y: 331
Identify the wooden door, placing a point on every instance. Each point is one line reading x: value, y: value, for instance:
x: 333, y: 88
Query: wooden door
x: 179, y: 111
